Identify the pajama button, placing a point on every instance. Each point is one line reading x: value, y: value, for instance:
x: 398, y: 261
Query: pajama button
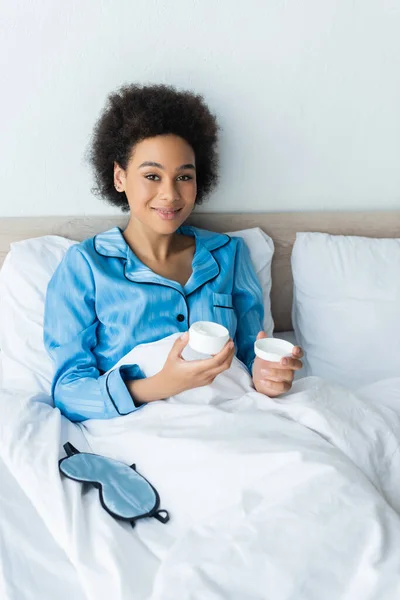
x: 180, y: 318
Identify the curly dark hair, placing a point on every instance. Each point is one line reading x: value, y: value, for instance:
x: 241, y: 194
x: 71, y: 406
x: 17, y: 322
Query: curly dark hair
x: 135, y: 112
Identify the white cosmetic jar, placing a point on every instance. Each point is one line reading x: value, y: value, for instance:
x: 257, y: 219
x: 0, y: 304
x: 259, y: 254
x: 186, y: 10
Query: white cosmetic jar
x: 207, y: 337
x: 273, y: 349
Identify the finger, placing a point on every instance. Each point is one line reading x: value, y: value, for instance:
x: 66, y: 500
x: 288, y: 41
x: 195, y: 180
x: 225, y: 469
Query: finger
x: 274, y: 386
x: 229, y: 346
x: 215, y: 372
x: 282, y: 365
x: 291, y: 363
x: 216, y: 369
x: 219, y: 369
x: 224, y: 366
x: 206, y: 366
x: 297, y: 352
x: 277, y: 376
x: 261, y: 335
x: 179, y: 345
x: 218, y: 359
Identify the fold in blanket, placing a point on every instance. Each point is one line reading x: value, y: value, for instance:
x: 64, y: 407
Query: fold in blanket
x: 292, y: 498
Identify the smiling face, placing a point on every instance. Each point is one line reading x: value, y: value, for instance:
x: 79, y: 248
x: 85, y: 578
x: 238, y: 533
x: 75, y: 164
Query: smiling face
x: 159, y: 182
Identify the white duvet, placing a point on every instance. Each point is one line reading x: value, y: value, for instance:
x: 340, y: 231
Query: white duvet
x: 295, y: 498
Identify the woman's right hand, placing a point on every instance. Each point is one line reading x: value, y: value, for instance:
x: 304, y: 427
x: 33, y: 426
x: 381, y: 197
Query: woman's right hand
x: 179, y: 375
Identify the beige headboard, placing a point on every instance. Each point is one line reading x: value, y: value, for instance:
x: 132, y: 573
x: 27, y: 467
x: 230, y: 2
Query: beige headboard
x: 282, y: 227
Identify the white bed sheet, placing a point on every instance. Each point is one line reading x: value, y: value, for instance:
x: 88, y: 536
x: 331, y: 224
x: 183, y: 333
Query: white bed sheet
x: 321, y: 460
x: 30, y: 570
x: 32, y: 565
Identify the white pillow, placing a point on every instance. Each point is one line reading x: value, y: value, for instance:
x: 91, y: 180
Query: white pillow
x: 24, y: 277
x: 261, y: 248
x: 346, y: 306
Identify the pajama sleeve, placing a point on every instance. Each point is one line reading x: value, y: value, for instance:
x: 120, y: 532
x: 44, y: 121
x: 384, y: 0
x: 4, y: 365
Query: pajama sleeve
x: 79, y: 389
x: 248, y: 304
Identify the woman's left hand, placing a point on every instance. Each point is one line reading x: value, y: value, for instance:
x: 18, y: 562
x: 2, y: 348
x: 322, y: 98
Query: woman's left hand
x: 273, y: 378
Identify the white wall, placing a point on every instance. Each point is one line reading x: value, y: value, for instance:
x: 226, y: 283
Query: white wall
x: 307, y: 92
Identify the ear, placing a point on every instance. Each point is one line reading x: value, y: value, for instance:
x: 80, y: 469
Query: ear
x: 119, y: 178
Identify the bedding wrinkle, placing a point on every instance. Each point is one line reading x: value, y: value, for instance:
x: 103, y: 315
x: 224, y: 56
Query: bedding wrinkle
x: 266, y: 496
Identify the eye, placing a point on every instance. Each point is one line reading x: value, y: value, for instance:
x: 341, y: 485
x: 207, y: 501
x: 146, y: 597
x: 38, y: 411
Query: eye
x: 152, y: 177
x: 184, y: 178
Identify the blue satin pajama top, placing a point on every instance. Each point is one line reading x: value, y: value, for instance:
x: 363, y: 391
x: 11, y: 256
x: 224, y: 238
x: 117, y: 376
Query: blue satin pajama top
x: 102, y: 301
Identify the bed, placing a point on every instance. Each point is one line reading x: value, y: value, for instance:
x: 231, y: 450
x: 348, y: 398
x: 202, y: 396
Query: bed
x: 47, y: 556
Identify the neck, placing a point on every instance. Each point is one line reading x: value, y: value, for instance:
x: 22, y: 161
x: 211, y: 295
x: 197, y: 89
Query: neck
x: 148, y: 243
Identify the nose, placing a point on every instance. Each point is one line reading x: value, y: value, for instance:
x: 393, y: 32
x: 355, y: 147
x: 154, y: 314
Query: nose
x: 169, y: 191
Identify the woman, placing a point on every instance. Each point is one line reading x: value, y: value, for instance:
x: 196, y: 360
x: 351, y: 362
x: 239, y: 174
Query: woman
x: 154, y: 154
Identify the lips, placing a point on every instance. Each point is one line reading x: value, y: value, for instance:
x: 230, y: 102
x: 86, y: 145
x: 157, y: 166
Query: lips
x: 167, y: 213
